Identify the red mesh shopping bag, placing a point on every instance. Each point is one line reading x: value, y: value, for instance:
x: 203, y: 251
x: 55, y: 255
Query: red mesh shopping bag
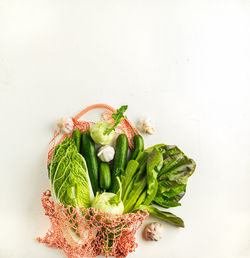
x: 89, y: 232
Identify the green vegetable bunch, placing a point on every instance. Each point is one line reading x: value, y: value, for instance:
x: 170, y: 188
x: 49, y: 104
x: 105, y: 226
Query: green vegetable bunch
x: 157, y: 176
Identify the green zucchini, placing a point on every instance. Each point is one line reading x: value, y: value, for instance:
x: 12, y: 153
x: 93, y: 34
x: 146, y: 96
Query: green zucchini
x: 76, y: 136
x: 104, y: 175
x: 89, y: 153
x: 120, y: 160
x: 138, y: 146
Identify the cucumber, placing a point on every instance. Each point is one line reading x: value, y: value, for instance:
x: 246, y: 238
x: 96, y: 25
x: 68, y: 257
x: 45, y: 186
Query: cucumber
x: 89, y: 153
x: 76, y: 136
x: 120, y: 160
x: 138, y: 146
x: 105, y: 175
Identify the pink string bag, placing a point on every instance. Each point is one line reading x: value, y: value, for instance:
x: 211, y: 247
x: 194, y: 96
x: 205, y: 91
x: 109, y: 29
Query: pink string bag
x: 89, y: 232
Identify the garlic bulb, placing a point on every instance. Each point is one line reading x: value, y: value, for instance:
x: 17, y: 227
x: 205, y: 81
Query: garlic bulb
x: 147, y: 126
x: 106, y: 153
x: 153, y: 231
x: 64, y: 125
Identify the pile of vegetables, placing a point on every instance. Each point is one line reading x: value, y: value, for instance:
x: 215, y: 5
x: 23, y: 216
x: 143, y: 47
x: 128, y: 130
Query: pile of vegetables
x: 122, y: 182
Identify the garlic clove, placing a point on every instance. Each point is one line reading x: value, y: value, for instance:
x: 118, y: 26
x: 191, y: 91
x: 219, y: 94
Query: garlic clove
x: 149, y: 130
x: 106, y: 153
x: 153, y: 231
x: 146, y: 126
x: 64, y: 125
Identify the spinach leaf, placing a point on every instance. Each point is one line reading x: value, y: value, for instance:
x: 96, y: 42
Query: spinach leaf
x: 173, y: 176
x: 179, y: 173
x: 157, y: 146
x: 129, y: 173
x: 138, y: 186
x: 140, y: 174
x: 167, y: 216
x: 154, y: 164
x: 140, y: 200
x: 169, y: 197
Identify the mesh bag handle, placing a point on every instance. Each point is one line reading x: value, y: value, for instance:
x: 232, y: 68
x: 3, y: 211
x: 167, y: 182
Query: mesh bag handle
x: 89, y: 108
x: 124, y: 127
x: 125, y: 124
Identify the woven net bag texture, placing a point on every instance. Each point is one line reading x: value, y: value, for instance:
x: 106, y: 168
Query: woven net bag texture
x: 88, y: 232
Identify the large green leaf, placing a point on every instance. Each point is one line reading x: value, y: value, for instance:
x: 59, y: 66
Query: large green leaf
x: 68, y: 173
x: 75, y: 189
x: 60, y: 187
x: 154, y: 164
x: 129, y: 173
x: 166, y: 216
x: 173, y: 176
x: 80, y: 160
x: 181, y: 171
x: 169, y: 197
x: 139, y: 184
x: 59, y: 153
x: 62, y: 171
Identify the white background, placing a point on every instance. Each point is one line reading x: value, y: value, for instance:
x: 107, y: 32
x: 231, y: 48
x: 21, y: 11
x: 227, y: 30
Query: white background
x: 186, y: 63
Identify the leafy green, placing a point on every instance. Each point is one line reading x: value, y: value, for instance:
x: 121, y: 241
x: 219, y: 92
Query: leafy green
x: 118, y: 117
x: 167, y: 216
x: 63, y: 169
x: 118, y: 196
x: 68, y: 175
x: 75, y: 189
x: 128, y: 190
x: 141, y: 157
x: 169, y: 197
x: 59, y: 152
x: 166, y: 170
x: 157, y: 146
x: 140, y: 200
x: 173, y: 176
x: 154, y: 164
x: 136, y: 180
x: 130, y: 171
x: 134, y: 189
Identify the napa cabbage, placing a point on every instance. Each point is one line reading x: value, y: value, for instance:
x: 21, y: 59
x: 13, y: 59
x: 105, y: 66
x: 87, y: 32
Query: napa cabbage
x: 69, y: 176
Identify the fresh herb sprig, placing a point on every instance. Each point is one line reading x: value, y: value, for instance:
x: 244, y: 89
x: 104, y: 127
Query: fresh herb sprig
x: 118, y: 118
